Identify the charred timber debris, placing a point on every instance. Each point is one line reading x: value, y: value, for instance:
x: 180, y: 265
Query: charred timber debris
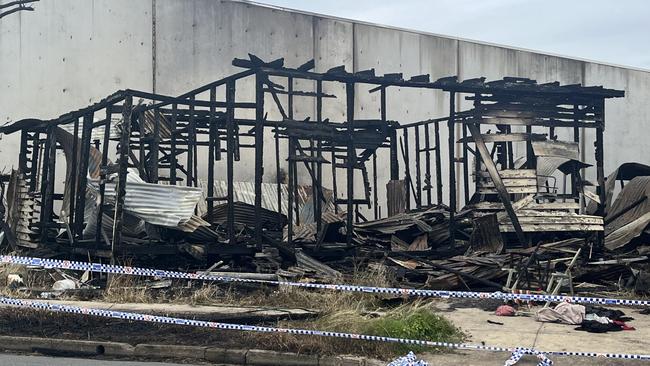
x: 500, y: 192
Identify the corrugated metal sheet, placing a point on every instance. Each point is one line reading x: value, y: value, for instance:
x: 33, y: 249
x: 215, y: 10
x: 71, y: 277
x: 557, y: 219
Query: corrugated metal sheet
x: 150, y: 123
x: 97, y: 132
x: 245, y: 192
x: 156, y: 204
x: 632, y: 221
x: 564, y: 149
x: 245, y: 215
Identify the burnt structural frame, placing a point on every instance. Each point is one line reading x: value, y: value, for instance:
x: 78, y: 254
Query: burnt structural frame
x: 190, y: 117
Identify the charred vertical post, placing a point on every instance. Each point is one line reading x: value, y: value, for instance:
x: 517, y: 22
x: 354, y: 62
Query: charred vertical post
x: 318, y: 208
x: 600, y: 163
x: 375, y: 198
x: 278, y: 169
x: 351, y: 155
x: 230, y: 158
x: 465, y: 166
x: 436, y: 137
x: 73, y: 177
x: 418, y: 169
x: 259, y: 157
x: 22, y: 159
x: 142, y: 153
x: 123, y: 169
x: 103, y: 175
x: 290, y: 190
x: 477, y: 119
x: 292, y: 154
x: 427, y: 160
x: 154, y: 148
x: 407, y: 169
x: 191, y: 146
x: 394, y: 162
x: 34, y: 167
x: 211, y: 153
x: 172, y: 148
x: 334, y: 185
x: 48, y: 183
x: 452, y: 168
x: 576, y: 138
x: 82, y: 178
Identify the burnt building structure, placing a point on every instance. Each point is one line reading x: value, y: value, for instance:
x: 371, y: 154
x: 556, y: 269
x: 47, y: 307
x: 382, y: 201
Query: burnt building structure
x: 517, y: 151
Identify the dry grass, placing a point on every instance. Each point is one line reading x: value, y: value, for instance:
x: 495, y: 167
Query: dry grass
x: 340, y: 311
x: 411, y: 321
x: 125, y: 289
x: 31, y: 279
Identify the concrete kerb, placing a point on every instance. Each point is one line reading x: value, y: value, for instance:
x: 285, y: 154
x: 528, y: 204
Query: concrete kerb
x: 213, y: 354
x: 170, y: 351
x: 31, y: 344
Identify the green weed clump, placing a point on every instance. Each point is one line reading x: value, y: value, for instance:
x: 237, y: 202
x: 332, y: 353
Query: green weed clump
x: 420, y: 324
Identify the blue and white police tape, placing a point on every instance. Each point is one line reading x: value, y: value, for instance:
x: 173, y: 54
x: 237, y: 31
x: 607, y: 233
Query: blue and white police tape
x: 408, y: 360
x: 43, y: 305
x: 520, y: 352
x: 136, y: 271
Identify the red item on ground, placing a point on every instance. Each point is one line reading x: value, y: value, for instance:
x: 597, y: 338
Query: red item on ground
x: 505, y: 310
x: 623, y: 325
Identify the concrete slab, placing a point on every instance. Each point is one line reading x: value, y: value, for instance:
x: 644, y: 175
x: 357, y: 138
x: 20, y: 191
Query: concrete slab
x: 524, y: 331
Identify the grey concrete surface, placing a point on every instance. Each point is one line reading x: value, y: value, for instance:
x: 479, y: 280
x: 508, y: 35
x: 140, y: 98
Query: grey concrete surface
x: 524, y: 331
x: 33, y: 360
x: 69, y: 53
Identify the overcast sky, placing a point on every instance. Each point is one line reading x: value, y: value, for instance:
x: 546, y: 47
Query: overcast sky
x: 612, y: 31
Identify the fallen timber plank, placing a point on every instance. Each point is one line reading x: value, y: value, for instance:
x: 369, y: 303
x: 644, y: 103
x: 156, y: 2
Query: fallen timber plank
x: 532, y: 122
x: 512, y: 173
x: 510, y: 182
x: 504, y: 228
x: 543, y: 220
x: 509, y: 190
x: 531, y: 212
x: 532, y: 206
x: 508, y: 137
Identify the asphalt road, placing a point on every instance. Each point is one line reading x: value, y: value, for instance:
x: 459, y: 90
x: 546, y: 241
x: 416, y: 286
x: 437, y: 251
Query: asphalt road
x: 20, y: 360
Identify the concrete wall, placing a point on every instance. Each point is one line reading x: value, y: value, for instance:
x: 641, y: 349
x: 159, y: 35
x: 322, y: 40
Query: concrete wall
x: 69, y: 53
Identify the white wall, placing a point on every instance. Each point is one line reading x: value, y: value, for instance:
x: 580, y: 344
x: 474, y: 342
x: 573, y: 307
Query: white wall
x: 67, y: 54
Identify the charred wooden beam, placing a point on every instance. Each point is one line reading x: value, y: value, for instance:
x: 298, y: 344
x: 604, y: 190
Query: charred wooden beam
x: 122, y: 172
x: 259, y: 157
x: 230, y: 157
x: 498, y: 182
x: 102, y: 177
x: 82, y: 178
x: 452, y: 168
x: 351, y: 157
x: 214, y: 140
